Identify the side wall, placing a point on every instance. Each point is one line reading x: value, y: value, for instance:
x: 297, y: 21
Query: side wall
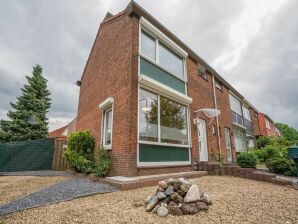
x: 111, y: 71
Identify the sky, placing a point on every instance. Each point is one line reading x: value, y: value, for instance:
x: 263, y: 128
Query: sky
x: 252, y: 44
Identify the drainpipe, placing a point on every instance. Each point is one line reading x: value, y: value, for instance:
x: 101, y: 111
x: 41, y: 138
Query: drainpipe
x: 217, y: 123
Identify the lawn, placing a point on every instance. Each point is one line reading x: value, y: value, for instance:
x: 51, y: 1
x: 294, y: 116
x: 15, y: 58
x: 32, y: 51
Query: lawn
x: 235, y: 200
x: 14, y: 187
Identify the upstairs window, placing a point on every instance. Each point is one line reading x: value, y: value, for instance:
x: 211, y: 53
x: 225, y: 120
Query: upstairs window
x: 235, y: 105
x: 202, y: 71
x: 246, y: 113
x: 267, y: 124
x: 218, y: 84
x: 167, y: 59
x: 148, y: 45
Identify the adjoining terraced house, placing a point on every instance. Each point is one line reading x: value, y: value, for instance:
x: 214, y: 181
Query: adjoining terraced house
x: 142, y: 93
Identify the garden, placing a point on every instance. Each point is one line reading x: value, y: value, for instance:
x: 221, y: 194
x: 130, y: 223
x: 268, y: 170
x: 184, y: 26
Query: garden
x: 272, y: 153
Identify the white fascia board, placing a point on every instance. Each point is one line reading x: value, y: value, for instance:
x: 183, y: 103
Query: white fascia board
x: 159, y: 87
x: 146, y: 24
x: 109, y: 101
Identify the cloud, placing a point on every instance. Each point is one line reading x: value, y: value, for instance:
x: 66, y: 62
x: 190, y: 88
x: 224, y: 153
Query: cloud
x: 252, y: 44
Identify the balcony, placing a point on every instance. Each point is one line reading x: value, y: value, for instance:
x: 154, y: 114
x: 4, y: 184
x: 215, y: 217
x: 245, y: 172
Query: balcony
x: 248, y: 125
x: 237, y: 119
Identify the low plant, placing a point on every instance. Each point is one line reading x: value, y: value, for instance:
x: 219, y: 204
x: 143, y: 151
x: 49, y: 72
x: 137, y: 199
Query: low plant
x: 247, y: 160
x: 103, y: 163
x: 281, y: 165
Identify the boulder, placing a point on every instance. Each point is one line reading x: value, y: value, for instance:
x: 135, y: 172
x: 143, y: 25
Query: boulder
x: 169, y: 190
x: 189, y: 209
x: 201, y: 206
x: 182, y: 193
x: 193, y: 194
x: 161, y: 195
x: 162, y: 184
x: 177, y: 185
x: 154, y: 210
x: 166, y: 200
x: 148, y: 199
x: 151, y: 204
x: 162, y: 211
x: 206, y: 199
x: 184, y: 188
x: 176, y: 197
x: 174, y: 209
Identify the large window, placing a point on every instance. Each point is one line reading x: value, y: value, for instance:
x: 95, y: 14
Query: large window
x: 107, y: 128
x: 267, y: 123
x: 159, y: 114
x: 162, y: 55
x: 148, y: 45
x: 235, y: 105
x: 240, y: 140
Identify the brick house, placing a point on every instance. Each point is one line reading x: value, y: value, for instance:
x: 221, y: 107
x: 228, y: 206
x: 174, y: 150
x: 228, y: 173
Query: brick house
x: 139, y: 96
x: 267, y: 126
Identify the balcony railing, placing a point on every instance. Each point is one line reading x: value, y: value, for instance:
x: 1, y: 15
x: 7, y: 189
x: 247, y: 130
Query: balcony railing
x: 248, y: 125
x: 237, y: 119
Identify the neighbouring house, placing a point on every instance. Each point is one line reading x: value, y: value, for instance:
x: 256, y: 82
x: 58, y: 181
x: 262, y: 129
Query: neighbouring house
x: 141, y: 95
x: 267, y: 126
x: 63, y: 132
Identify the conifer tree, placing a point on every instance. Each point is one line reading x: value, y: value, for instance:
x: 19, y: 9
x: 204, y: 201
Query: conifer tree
x: 27, y: 120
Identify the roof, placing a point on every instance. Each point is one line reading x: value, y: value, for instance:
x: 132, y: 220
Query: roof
x: 134, y: 8
x: 59, y: 133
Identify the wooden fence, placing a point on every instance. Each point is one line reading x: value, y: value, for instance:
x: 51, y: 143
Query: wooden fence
x: 59, y: 163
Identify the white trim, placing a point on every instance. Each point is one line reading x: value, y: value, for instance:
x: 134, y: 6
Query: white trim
x: 106, y: 103
x: 145, y: 80
x: 104, y: 125
x: 172, y: 163
x: 145, y: 23
x: 163, y: 144
x: 239, y: 126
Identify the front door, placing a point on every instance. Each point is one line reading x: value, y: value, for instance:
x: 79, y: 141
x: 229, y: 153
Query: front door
x: 228, y: 145
x: 202, y: 140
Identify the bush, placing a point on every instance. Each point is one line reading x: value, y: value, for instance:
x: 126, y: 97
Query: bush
x: 281, y: 165
x: 247, y: 160
x: 80, y: 155
x: 263, y: 141
x: 260, y: 154
x: 79, y: 152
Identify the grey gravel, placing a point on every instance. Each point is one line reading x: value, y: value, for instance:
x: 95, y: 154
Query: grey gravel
x: 63, y: 191
x: 41, y: 173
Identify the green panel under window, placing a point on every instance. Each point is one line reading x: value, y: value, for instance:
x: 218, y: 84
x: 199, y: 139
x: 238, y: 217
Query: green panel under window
x: 157, y: 153
x: 161, y: 76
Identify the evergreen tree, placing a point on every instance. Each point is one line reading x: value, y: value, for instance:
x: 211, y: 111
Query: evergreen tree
x: 28, y: 119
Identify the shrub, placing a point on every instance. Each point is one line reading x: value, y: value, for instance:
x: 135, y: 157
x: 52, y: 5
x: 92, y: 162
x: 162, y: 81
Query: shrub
x: 103, y: 163
x: 263, y: 141
x: 79, y: 152
x: 281, y: 165
x: 247, y: 160
x: 260, y: 154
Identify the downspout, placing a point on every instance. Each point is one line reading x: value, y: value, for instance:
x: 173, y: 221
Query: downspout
x: 217, y: 122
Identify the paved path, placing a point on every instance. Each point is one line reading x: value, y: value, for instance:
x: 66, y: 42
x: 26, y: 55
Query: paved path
x: 42, y: 173
x: 63, y: 191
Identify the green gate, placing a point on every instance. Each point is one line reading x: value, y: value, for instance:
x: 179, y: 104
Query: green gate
x: 26, y: 155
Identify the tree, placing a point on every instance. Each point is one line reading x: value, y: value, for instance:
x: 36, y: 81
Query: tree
x: 27, y: 120
x: 290, y: 133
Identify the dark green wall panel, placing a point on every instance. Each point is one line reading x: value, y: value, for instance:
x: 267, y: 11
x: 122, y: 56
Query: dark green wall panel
x: 156, y: 153
x: 152, y: 71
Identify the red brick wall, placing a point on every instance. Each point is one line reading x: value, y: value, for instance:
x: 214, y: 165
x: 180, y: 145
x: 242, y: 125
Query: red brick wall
x: 265, y: 131
x: 255, y: 122
x: 111, y: 71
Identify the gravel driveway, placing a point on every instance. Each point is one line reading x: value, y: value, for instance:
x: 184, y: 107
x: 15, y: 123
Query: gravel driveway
x: 63, y: 191
x: 235, y: 200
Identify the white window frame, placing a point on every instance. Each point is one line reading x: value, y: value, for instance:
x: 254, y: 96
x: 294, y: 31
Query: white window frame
x: 171, y: 163
x: 218, y: 84
x: 106, y: 106
x: 152, y: 31
x: 267, y: 123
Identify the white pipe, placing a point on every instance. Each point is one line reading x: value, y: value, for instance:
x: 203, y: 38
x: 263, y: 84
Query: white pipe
x: 217, y: 123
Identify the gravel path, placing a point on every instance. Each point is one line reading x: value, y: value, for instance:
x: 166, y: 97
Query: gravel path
x: 41, y: 173
x: 235, y: 200
x: 63, y: 191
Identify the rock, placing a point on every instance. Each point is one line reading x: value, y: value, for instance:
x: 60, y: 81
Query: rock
x: 206, y: 199
x: 163, y: 184
x: 161, y: 195
x: 170, y: 181
x: 177, y: 185
x: 201, y: 206
x: 162, y: 211
x: 169, y: 190
x: 186, y: 182
x: 176, y: 197
x: 184, y: 188
x: 151, y: 204
x: 166, y: 200
x: 193, y: 194
x: 148, y: 199
x: 174, y: 209
x: 189, y: 209
x: 182, y: 193
x: 164, y: 204
x: 154, y: 210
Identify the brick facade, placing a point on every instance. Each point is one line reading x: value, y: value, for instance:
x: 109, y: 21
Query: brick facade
x: 112, y: 71
x: 263, y: 129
